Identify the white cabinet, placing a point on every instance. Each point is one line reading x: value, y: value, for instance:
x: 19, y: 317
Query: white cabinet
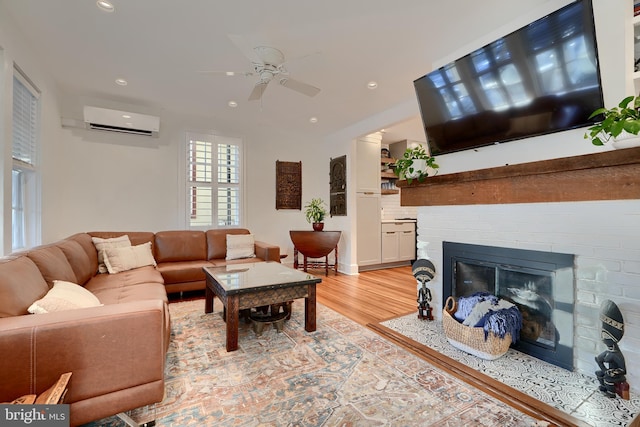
x: 407, y: 244
x: 368, y: 164
x: 398, y: 241
x: 367, y: 177
x: 389, y: 245
x: 368, y: 228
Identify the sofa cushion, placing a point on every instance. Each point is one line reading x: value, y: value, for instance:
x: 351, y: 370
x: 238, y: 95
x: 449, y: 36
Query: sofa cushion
x: 136, y: 237
x: 21, y: 283
x: 224, y: 262
x: 111, y: 242
x: 217, y: 241
x: 52, y: 263
x: 79, y: 260
x: 127, y: 258
x: 142, y: 291
x: 183, y: 271
x: 64, y: 296
x: 137, y: 276
x: 180, y: 245
x: 84, y: 240
x: 240, y: 246
x: 140, y: 283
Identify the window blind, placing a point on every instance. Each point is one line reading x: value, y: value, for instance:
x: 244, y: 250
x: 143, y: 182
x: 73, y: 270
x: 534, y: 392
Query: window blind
x: 25, y: 123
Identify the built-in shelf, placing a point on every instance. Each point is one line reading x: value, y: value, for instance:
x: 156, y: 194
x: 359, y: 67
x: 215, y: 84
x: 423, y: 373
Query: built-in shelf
x: 610, y: 175
x: 388, y: 176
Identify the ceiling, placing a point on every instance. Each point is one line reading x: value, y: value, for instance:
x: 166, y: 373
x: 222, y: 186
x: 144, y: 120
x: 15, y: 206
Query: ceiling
x: 161, y: 48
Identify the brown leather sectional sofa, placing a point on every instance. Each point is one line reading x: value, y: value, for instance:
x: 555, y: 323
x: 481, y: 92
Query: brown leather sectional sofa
x: 115, y: 351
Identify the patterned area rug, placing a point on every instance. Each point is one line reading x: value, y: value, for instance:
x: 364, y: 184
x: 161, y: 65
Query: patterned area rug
x: 341, y: 375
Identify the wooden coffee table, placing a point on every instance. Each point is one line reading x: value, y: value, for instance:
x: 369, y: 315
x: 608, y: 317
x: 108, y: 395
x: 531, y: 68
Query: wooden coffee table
x: 242, y: 286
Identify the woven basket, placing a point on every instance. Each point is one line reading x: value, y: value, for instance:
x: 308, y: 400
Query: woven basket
x: 471, y: 340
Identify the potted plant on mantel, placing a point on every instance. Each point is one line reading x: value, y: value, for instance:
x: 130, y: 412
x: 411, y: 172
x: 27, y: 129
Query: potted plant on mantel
x: 415, y: 163
x: 315, y: 212
x: 620, y: 124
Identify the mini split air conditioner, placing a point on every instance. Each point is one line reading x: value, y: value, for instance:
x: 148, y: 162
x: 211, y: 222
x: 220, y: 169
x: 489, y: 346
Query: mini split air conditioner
x: 121, y: 121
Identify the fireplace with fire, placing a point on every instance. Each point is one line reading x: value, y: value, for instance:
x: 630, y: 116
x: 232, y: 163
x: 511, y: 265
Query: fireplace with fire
x: 540, y: 283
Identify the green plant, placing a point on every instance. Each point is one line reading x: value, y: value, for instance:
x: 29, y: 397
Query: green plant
x: 404, y: 166
x: 616, y: 119
x: 315, y: 211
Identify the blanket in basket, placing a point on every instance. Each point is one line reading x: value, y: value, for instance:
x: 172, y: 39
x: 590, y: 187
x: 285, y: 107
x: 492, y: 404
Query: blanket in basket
x: 496, y: 324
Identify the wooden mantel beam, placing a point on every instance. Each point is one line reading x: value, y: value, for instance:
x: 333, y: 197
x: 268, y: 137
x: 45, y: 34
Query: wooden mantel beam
x: 610, y: 175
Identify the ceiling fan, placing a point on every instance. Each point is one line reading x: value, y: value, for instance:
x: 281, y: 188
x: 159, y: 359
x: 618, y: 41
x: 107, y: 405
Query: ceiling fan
x: 268, y: 65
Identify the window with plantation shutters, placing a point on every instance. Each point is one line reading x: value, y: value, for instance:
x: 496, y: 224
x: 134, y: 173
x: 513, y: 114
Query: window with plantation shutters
x: 24, y: 179
x: 214, y: 181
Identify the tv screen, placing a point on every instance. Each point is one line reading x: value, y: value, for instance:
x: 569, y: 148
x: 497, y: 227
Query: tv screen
x: 540, y: 79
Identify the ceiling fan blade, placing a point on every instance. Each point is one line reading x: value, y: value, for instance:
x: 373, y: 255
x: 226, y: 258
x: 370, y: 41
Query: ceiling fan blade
x: 226, y: 73
x: 298, y: 86
x: 269, y: 55
x: 258, y: 90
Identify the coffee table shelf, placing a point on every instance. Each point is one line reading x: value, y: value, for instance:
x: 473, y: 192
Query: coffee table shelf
x: 243, y: 286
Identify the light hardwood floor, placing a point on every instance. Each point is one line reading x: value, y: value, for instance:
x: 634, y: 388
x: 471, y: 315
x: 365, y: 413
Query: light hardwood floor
x: 371, y: 296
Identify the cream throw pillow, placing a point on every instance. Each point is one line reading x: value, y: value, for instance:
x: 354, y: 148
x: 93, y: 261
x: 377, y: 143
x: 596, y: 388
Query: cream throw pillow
x: 240, y: 246
x: 128, y: 257
x: 64, y: 296
x: 114, y: 242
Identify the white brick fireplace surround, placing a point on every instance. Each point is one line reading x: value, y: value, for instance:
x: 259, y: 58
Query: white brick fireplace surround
x: 603, y: 235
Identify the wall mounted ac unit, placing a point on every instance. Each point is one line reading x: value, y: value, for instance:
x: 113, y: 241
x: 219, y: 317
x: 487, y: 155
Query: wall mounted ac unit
x: 121, y: 121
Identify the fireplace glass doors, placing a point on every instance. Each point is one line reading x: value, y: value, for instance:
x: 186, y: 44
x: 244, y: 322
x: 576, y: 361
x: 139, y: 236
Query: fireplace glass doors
x: 539, y: 283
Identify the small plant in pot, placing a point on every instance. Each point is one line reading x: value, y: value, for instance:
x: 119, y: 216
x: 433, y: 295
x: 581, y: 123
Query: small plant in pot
x: 315, y: 212
x: 619, y: 123
x: 415, y: 163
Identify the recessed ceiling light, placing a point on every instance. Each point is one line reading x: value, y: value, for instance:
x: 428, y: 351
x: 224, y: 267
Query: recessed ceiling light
x: 313, y: 120
x: 105, y: 5
x: 126, y: 116
x: 372, y: 85
x: 121, y: 82
x: 232, y: 104
x: 230, y: 73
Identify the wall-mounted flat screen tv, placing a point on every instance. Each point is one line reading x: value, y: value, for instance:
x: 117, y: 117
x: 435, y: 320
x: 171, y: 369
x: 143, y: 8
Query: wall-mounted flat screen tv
x: 540, y: 79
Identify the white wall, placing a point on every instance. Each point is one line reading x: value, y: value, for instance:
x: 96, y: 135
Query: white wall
x: 264, y: 219
x: 128, y: 182
x: 604, y: 236
x: 13, y: 49
x: 611, y: 20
